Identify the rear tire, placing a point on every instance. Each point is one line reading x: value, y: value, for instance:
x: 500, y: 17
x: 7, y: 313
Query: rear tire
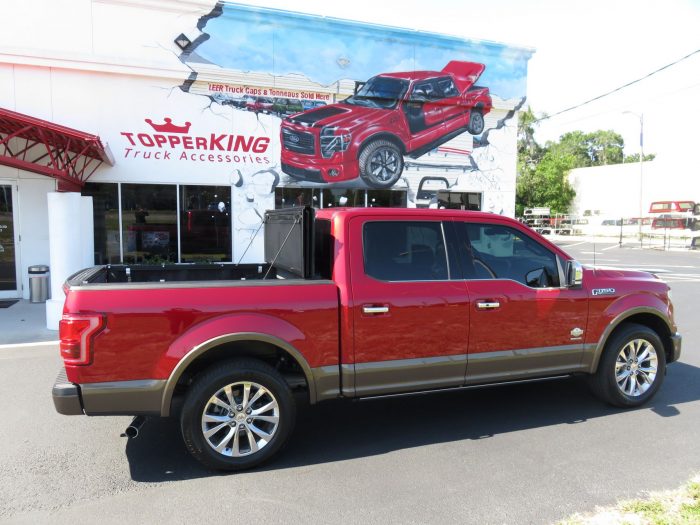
x: 476, y: 122
x: 237, y: 414
x: 632, y: 367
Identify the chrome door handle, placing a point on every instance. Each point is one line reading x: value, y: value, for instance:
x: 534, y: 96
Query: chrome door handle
x: 375, y: 309
x: 487, y: 305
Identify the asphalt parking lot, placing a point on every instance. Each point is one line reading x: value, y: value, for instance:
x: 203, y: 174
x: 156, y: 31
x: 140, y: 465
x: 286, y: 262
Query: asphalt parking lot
x: 531, y: 453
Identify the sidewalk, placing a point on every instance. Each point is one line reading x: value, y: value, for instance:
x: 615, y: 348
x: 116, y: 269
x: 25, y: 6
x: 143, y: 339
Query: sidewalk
x: 24, y: 322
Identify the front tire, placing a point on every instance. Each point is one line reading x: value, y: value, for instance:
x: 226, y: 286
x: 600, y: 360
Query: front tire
x: 381, y: 164
x: 237, y: 415
x: 632, y: 368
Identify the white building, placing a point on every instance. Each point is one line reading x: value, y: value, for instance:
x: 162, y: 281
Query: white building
x: 627, y: 190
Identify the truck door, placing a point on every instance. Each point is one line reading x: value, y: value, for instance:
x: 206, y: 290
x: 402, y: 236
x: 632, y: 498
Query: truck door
x: 523, y: 323
x: 423, y: 111
x: 411, y: 320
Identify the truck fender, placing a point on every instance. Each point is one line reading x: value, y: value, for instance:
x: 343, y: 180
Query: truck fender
x: 212, y: 333
x: 617, y: 313
x: 373, y: 135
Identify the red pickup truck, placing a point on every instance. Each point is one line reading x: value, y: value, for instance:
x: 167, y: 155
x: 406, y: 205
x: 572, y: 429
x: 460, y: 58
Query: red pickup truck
x: 353, y: 303
x: 391, y: 115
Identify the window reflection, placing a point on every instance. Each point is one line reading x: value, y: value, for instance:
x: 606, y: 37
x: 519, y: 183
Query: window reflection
x: 105, y: 217
x: 205, y: 223
x: 149, y: 223
x: 334, y: 198
x: 294, y: 197
x: 453, y: 200
x: 386, y: 198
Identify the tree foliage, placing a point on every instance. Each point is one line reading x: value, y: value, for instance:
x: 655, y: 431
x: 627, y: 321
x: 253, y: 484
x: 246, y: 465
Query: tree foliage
x: 635, y: 157
x: 543, y: 170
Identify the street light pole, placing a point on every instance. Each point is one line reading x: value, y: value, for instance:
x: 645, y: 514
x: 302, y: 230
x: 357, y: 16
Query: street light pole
x: 640, y: 116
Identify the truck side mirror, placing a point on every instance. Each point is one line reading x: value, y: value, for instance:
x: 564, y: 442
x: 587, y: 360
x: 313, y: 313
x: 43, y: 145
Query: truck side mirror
x: 574, y: 274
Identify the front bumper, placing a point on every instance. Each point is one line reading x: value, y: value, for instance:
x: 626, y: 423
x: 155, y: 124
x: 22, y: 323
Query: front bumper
x: 118, y: 398
x: 676, y: 340
x: 315, y: 169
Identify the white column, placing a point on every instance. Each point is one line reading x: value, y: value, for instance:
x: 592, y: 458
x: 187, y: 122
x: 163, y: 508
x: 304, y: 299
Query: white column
x: 70, y: 245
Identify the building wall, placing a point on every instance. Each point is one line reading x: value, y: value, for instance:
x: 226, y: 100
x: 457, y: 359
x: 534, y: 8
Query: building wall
x: 111, y: 67
x: 614, y: 191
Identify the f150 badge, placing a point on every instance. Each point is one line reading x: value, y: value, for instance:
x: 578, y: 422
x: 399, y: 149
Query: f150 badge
x: 603, y: 291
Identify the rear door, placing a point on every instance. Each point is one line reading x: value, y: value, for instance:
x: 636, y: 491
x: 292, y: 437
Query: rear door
x: 411, y: 320
x: 523, y: 323
x: 423, y: 111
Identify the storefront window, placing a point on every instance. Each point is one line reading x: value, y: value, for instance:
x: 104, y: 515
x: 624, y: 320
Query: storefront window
x: 386, y: 198
x: 293, y: 197
x: 105, y: 216
x: 453, y: 200
x: 149, y: 223
x: 343, y: 197
x: 205, y: 223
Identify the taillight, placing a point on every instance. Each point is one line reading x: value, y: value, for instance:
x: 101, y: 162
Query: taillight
x: 76, y: 333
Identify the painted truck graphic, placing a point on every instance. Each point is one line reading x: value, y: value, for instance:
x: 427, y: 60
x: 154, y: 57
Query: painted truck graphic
x: 391, y: 115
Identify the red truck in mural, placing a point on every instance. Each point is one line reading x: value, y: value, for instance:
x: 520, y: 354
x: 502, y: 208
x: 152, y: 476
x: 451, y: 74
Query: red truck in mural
x: 391, y: 115
x: 360, y: 302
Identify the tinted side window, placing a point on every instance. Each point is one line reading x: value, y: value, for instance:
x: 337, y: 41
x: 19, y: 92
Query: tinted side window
x: 447, y: 87
x: 404, y: 251
x: 426, y: 90
x: 491, y: 251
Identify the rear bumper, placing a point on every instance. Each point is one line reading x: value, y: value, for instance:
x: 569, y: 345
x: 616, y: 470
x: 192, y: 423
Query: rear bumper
x: 66, y: 396
x: 127, y: 398
x: 677, y: 340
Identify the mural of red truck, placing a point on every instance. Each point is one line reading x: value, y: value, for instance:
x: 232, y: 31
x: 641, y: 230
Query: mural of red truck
x: 389, y: 116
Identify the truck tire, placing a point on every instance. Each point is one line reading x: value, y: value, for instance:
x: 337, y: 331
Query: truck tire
x: 632, y: 367
x: 237, y: 414
x: 381, y: 164
x: 476, y: 122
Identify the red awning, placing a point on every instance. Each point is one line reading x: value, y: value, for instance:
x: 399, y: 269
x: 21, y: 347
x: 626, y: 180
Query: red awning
x: 37, y: 145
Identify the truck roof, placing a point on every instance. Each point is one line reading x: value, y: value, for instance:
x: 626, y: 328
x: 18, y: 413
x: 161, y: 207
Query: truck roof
x: 414, y: 75
x: 329, y: 213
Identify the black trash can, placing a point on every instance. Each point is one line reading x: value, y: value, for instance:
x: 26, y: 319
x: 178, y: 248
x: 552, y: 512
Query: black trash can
x: 38, y: 283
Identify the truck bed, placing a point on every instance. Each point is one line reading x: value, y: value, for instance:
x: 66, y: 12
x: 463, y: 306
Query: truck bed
x: 165, y: 273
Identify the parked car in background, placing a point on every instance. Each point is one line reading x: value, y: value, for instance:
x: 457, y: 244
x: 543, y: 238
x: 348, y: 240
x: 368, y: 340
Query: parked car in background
x: 685, y: 207
x: 287, y: 106
x: 311, y: 104
x: 675, y: 223
x: 260, y: 105
x: 391, y: 115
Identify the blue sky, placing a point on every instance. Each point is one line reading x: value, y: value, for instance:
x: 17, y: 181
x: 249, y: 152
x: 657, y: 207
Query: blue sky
x: 261, y: 40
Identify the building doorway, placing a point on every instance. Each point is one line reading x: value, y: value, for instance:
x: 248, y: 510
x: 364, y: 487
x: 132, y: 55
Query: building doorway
x: 9, y: 242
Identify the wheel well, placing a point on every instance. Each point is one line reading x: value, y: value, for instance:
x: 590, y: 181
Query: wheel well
x: 269, y: 353
x: 383, y: 136
x: 655, y: 323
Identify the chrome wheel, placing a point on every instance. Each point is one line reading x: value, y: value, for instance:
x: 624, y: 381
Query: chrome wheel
x: 240, y: 419
x: 635, y: 367
x: 384, y: 165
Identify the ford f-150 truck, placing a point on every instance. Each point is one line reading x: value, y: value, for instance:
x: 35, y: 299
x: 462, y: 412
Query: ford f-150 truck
x: 391, y: 115
x: 353, y: 303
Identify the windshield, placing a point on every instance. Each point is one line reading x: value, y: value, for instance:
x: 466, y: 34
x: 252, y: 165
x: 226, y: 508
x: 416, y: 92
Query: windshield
x: 379, y: 92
